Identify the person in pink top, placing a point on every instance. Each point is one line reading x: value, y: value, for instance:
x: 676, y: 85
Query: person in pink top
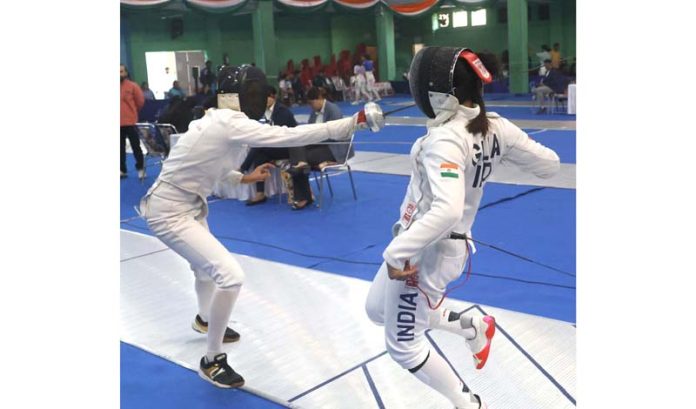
x: 132, y: 100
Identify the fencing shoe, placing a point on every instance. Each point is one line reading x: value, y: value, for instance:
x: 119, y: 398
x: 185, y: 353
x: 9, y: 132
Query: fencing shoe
x: 480, y: 345
x: 202, y: 327
x: 481, y: 404
x: 219, y: 373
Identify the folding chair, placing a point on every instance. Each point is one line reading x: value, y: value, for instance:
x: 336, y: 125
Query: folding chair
x: 323, y: 173
x: 559, y: 104
x: 165, y: 132
x: 155, y: 146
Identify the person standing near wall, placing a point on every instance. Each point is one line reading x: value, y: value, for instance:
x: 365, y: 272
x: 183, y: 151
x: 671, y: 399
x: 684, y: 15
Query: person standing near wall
x: 360, y: 83
x: 370, y: 77
x: 208, y: 76
x: 556, y: 56
x: 543, y: 55
x: 147, y: 92
x: 132, y: 100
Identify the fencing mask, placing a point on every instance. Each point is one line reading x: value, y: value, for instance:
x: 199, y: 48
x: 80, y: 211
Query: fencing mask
x: 244, y: 89
x: 431, y: 77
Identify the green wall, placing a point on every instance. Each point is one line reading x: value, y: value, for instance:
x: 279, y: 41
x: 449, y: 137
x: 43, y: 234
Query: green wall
x: 306, y: 35
x: 491, y: 37
x: 302, y: 36
x: 349, y: 30
x: 149, y: 32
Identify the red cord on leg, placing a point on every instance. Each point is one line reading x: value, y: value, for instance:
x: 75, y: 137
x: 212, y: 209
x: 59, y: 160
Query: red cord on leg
x: 468, y: 274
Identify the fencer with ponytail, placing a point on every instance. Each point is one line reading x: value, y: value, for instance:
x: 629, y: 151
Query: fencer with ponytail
x: 469, y: 87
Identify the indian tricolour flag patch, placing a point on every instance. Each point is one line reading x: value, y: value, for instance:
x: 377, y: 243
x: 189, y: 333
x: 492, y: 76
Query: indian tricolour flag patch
x: 449, y: 170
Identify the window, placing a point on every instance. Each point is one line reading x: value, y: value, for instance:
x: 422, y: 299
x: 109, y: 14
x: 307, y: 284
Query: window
x: 543, y: 12
x: 460, y: 19
x: 478, y: 17
x: 443, y: 19
x: 440, y: 20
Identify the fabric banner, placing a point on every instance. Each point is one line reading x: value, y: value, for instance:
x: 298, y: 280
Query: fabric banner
x: 216, y: 6
x: 303, y: 3
x: 144, y: 3
x: 302, y: 6
x: 357, y: 4
x: 410, y: 7
x: 402, y: 7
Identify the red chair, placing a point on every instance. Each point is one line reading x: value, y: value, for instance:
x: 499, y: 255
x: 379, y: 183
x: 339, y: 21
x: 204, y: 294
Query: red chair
x: 331, y: 69
x: 306, y: 74
x: 360, y: 50
x: 290, y: 67
x: 345, y: 68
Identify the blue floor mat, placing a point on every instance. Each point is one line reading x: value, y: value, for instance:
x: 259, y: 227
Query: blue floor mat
x: 396, y: 102
x: 148, y: 381
x: 400, y: 138
x: 529, y: 113
x: 347, y: 237
x: 562, y: 142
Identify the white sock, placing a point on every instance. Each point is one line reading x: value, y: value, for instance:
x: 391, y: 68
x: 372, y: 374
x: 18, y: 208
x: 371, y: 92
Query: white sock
x: 204, y: 294
x: 439, y: 376
x: 220, y: 309
x: 449, y: 321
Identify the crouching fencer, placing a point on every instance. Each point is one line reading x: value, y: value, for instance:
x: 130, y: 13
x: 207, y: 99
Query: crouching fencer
x: 175, y: 207
x: 451, y: 164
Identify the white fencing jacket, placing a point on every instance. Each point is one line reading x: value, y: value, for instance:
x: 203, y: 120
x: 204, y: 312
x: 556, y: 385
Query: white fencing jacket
x: 204, y: 154
x: 450, y: 166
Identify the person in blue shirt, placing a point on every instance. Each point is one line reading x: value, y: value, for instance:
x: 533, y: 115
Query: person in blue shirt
x: 176, y: 91
x: 370, y: 77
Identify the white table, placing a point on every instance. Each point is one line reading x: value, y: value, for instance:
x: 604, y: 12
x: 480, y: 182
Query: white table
x: 571, y: 99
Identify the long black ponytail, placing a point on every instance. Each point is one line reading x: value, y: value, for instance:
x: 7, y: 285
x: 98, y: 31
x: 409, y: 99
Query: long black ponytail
x: 469, y: 87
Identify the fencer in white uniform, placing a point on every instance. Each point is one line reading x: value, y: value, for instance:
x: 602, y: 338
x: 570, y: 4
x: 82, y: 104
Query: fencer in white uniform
x: 360, y: 87
x: 175, y: 207
x: 450, y: 166
x: 370, y: 78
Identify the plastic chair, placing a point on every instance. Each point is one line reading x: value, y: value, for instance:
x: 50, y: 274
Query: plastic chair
x: 165, y: 132
x: 559, y: 103
x: 156, y: 144
x: 323, y: 173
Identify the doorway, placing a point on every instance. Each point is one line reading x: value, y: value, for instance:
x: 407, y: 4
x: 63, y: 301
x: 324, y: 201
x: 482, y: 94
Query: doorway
x: 165, y: 67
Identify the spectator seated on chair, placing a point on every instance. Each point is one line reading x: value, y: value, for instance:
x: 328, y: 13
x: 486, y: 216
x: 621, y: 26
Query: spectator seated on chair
x: 321, y: 80
x: 305, y: 158
x: 176, y: 91
x: 297, y: 87
x: 179, y: 113
x: 552, y: 82
x: 279, y: 115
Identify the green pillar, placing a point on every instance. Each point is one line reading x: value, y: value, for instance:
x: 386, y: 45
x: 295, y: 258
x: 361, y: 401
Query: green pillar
x: 385, y: 44
x: 264, y: 40
x: 517, y: 45
x: 214, y: 40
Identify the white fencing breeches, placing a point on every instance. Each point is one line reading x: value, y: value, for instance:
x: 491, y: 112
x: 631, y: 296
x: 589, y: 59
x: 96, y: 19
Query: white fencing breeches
x: 403, y: 309
x: 178, y: 219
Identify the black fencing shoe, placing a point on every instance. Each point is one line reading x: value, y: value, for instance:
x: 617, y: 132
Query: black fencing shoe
x: 201, y: 326
x: 219, y: 373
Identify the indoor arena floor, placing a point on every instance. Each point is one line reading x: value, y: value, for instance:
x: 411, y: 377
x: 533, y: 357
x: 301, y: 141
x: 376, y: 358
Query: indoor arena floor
x: 306, y: 340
